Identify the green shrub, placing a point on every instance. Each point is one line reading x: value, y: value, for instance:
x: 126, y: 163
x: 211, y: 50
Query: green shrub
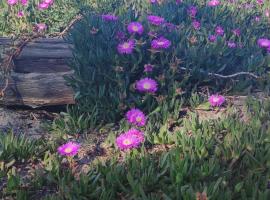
x: 104, y: 79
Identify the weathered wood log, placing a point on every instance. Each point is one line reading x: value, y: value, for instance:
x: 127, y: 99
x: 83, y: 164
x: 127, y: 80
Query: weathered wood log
x: 37, y: 75
x: 45, y: 55
x: 37, y: 89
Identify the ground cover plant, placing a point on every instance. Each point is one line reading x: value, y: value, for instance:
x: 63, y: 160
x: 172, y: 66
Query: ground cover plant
x: 143, y: 78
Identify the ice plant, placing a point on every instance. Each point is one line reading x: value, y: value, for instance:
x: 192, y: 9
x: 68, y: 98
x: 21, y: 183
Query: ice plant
x: 148, y: 68
x: 196, y: 25
x: 216, y: 100
x: 213, y: 3
x: 192, y: 11
x: 135, y: 27
x: 231, y: 44
x: 146, y: 85
x: 69, y: 149
x: 24, y: 2
x: 130, y: 139
x: 155, y: 20
x: 43, y: 6
x: 48, y: 1
x: 20, y: 14
x: 126, y: 47
x: 41, y: 27
x: 219, y: 30
x: 109, y: 17
x: 136, y: 117
x: 160, y: 43
x: 264, y: 43
x: 260, y: 2
x: 212, y: 38
x: 12, y: 2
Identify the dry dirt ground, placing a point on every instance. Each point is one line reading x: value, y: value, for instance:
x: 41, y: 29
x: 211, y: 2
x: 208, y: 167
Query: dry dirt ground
x: 28, y: 122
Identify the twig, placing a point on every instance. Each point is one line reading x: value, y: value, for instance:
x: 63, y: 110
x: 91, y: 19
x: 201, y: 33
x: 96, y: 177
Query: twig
x: 72, y: 22
x: 227, y: 76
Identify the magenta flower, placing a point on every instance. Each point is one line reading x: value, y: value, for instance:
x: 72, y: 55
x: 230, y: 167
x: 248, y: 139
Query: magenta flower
x: 155, y: 20
x: 260, y: 2
x: 263, y: 43
x: 43, y: 6
x: 153, y: 1
x: 231, y: 44
x: 109, y: 17
x: 148, y: 68
x: 213, y: 3
x: 68, y: 149
x: 178, y: 1
x: 212, y: 38
x: 236, y: 32
x: 135, y: 27
x: 136, y: 117
x: 257, y: 18
x: 216, y: 100
x: 196, y: 24
x: 24, y: 2
x: 20, y: 14
x: 48, y: 1
x: 130, y: 139
x: 160, y: 43
x: 146, y: 85
x: 267, y: 13
x: 126, y: 47
x: 12, y: 2
x: 41, y: 27
x: 219, y: 30
x: 192, y: 11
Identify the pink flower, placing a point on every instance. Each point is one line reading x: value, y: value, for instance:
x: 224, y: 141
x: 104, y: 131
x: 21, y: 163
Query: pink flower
x: 267, y: 13
x: 126, y: 47
x: 260, y: 2
x: 213, y: 3
x: 148, y: 68
x: 192, y: 11
x: 68, y: 149
x: 48, y: 1
x: 24, y: 2
x: 20, y: 14
x: 196, y: 25
x: 146, y: 85
x: 231, y: 44
x: 41, y: 27
x: 212, y: 38
x: 257, y: 18
x: 153, y: 1
x: 216, y: 100
x: 136, y: 117
x: 109, y: 17
x: 263, y: 43
x: 43, y: 6
x: 130, y: 139
x: 12, y: 2
x: 219, y: 30
x: 160, y: 43
x: 155, y: 20
x: 135, y: 27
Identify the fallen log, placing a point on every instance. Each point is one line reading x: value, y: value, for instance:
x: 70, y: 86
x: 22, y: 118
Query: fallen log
x: 37, y: 89
x: 37, y: 75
